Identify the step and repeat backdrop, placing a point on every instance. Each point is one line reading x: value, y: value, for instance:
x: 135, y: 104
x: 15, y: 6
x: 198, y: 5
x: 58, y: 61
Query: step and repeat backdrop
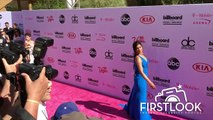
x: 5, y: 17
x: 93, y: 50
x: 11, y: 18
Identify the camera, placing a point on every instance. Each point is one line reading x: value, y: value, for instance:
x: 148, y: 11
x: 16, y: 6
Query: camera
x: 18, y: 48
x: 40, y: 48
x: 33, y: 71
x: 11, y: 53
x: 171, y: 95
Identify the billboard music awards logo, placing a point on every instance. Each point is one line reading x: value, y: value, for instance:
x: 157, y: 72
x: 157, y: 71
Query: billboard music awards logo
x: 172, y: 100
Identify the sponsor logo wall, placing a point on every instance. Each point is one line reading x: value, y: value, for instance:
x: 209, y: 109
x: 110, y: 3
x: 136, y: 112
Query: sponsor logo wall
x: 93, y: 48
x: 5, y: 17
x: 11, y: 17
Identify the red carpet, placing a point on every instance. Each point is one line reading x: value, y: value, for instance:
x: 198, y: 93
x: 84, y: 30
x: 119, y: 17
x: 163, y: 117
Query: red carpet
x: 93, y: 104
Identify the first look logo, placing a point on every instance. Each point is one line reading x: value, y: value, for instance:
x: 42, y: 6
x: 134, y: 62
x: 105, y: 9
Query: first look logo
x: 172, y: 100
x: 171, y: 95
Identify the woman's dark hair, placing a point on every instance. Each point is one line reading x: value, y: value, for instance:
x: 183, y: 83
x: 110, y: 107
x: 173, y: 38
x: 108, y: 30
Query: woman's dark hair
x: 134, y: 46
x: 27, y: 34
x: 15, y: 24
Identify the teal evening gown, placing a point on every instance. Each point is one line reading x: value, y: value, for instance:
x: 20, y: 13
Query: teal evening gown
x: 138, y: 95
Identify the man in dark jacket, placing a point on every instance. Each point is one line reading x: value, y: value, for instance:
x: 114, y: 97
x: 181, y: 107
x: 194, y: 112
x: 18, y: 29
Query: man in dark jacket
x: 8, y: 30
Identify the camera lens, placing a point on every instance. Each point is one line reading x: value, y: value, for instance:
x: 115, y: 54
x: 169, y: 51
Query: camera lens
x: 51, y: 72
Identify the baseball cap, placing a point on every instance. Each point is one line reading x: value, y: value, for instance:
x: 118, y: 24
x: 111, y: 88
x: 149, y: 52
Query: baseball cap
x: 77, y: 116
x: 65, y: 108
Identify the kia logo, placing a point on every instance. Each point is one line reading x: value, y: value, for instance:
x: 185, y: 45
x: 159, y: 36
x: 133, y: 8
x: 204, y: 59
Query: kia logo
x: 50, y: 60
x: 147, y: 19
x: 71, y: 35
x: 202, y: 67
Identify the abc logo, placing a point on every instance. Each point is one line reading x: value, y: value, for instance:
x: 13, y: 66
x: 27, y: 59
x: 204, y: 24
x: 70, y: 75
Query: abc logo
x: 173, y: 63
x: 66, y: 75
x: 92, y: 53
x: 125, y: 19
x: 61, y: 19
x: 125, y: 89
x: 210, y: 43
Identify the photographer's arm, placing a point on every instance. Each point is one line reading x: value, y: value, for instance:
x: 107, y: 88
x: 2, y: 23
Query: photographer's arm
x: 138, y: 62
x: 35, y: 91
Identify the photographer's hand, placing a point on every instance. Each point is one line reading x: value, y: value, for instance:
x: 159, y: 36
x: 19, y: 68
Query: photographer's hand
x: 9, y: 93
x: 35, y: 91
x: 12, y: 67
x: 9, y: 68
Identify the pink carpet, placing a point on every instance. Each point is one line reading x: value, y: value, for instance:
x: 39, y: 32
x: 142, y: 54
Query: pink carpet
x: 93, y: 104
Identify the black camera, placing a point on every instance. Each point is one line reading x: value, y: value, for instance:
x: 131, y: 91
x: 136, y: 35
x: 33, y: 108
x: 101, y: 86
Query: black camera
x: 33, y: 71
x: 18, y: 48
x: 11, y: 53
x: 40, y: 48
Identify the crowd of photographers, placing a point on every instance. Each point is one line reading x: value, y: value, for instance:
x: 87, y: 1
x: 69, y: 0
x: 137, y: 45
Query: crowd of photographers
x: 10, y: 105
x: 24, y: 85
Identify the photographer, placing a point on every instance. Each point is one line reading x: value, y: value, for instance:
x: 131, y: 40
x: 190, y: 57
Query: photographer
x: 35, y: 90
x: 5, y: 38
x: 8, y: 30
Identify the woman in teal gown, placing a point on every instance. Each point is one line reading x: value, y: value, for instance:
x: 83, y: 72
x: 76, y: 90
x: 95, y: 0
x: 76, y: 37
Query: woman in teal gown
x: 139, y: 90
